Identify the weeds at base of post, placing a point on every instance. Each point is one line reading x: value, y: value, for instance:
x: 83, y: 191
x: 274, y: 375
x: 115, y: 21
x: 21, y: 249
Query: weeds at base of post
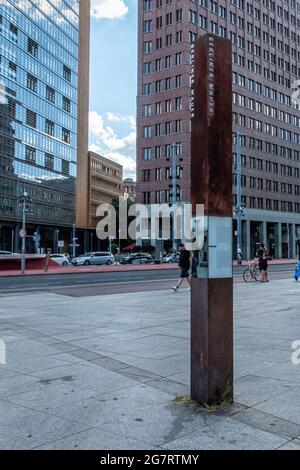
x: 225, y: 400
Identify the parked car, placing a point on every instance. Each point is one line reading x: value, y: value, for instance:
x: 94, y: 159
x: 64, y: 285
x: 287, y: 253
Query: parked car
x: 171, y: 258
x: 8, y: 253
x: 63, y: 260
x: 137, y: 258
x: 97, y: 258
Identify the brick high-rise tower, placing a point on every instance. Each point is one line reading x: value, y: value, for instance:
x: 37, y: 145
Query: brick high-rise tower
x: 266, y: 62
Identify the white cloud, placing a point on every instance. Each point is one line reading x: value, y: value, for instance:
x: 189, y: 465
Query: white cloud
x: 109, y: 9
x: 105, y: 141
x: 122, y: 118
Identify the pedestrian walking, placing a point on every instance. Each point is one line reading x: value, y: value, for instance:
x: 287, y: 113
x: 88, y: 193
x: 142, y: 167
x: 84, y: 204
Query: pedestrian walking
x: 262, y: 255
x: 297, y: 270
x: 239, y: 256
x: 185, y: 266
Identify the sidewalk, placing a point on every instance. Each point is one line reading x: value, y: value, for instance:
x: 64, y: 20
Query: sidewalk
x: 111, y: 372
x: 89, y: 269
x: 119, y: 268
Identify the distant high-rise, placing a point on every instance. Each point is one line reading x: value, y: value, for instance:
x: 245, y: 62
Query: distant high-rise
x: 266, y: 61
x: 43, y: 115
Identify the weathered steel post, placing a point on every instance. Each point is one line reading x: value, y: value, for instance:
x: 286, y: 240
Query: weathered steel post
x: 211, y: 170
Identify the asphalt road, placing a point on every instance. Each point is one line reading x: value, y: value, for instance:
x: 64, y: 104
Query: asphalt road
x: 89, y: 284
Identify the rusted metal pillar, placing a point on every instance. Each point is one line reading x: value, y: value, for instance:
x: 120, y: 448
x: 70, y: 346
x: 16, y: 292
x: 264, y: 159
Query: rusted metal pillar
x: 211, y: 170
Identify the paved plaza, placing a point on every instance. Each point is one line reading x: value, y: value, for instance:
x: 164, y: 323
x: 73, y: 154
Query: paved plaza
x: 112, y: 372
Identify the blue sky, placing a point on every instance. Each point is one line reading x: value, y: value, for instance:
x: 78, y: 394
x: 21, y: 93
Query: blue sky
x: 113, y: 83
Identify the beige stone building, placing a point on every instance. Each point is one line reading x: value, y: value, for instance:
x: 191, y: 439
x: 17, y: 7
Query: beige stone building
x: 105, y: 183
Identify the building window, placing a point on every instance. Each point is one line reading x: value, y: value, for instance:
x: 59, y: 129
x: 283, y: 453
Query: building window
x: 158, y: 151
x: 146, y: 176
x: 147, y: 5
x: 179, y: 15
x: 50, y: 94
x: 66, y: 135
x: 13, y: 30
x: 65, y: 167
x: 148, y: 27
x: 147, y: 153
x: 147, y: 89
x: 178, y: 81
x: 30, y: 154
x: 178, y: 58
x: 31, y: 118
x: 32, y: 83
x: 147, y: 132
x: 178, y: 126
x: 32, y: 47
x: 147, y: 47
x: 12, y: 67
x: 178, y: 104
x: 147, y: 197
x: 49, y: 127
x: 178, y: 37
x: 147, y: 110
x: 49, y: 161
x: 11, y: 108
x: 66, y: 104
x: 67, y: 74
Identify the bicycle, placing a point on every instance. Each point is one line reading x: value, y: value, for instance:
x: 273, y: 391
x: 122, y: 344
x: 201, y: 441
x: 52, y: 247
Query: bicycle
x: 252, y: 272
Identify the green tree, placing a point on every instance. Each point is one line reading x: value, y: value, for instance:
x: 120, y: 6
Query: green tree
x: 116, y: 203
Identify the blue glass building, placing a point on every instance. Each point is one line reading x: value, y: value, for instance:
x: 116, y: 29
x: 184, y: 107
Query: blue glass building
x: 39, y: 90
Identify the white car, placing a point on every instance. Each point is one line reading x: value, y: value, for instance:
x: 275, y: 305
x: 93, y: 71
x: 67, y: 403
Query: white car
x: 94, y: 259
x: 62, y: 260
x: 171, y: 258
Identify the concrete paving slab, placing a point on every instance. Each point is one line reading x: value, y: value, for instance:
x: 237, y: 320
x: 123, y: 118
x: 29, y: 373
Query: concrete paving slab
x: 252, y: 390
x: 87, y: 376
x: 227, y: 435
x: 95, y: 439
x: 291, y: 445
x: 158, y: 425
x: 269, y: 423
x: 104, y: 371
x: 18, y: 384
x: 25, y: 428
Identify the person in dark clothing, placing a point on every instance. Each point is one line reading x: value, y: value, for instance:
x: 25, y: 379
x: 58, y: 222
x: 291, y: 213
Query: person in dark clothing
x: 262, y: 256
x: 185, y: 265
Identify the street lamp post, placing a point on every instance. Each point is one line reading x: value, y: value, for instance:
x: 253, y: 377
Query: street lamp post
x: 57, y: 241
x: 239, y: 210
x: 23, y: 265
x: 174, y: 190
x: 173, y: 154
x: 110, y: 239
x: 92, y: 241
x: 26, y: 202
x: 74, y: 240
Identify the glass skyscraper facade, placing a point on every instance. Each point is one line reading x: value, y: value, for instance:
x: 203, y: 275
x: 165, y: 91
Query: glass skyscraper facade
x: 39, y: 54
